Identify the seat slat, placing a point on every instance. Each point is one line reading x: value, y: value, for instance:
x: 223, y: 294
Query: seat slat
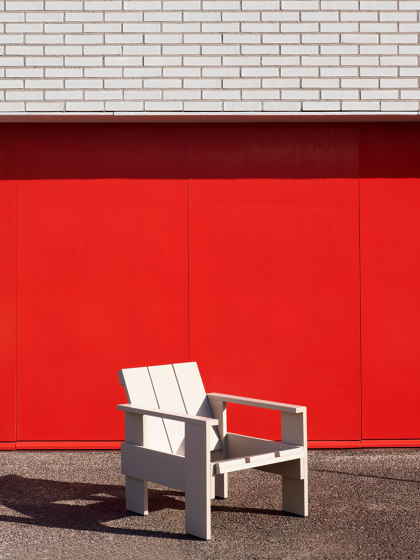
x: 194, y: 396
x: 169, y: 397
x: 253, y: 461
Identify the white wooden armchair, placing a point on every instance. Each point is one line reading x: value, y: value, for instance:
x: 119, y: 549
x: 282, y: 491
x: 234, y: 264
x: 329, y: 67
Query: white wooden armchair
x: 175, y: 435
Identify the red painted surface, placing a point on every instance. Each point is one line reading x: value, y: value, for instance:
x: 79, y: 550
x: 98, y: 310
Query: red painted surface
x: 7, y: 287
x: 390, y: 264
x: 274, y: 271
x: 102, y: 271
x: 233, y: 245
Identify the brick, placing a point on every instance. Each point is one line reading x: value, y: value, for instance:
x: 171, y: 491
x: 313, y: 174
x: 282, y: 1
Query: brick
x: 44, y: 106
x: 24, y: 27
x: 360, y: 106
x: 82, y: 17
x: 84, y: 84
x: 81, y: 106
x: 299, y: 5
x: 320, y: 16
x: 339, y: 49
x: 286, y: 106
x: 339, y: 5
x: 103, y: 72
x: 398, y: 106
x: 339, y: 94
x: 135, y: 106
x: 411, y: 94
x: 300, y: 94
x: 379, y: 94
x: 360, y: 38
x: 12, y: 17
x: 101, y: 95
x: 12, y: 107
x: 24, y: 73
x: 44, y: 39
x: 360, y: 83
x: 378, y: 5
x: 44, y: 17
x: 399, y: 38
x: 205, y: 106
x: 143, y: 94
x: 260, y: 95
x: 242, y: 106
x: 184, y: 94
x: 321, y: 106
x: 25, y: 5
x: 29, y: 95
x: 399, y: 61
x: 320, y: 83
x: 63, y: 72
x: 398, y: 16
x: 203, y: 83
x: 63, y: 95
x: 260, y: 72
x: 106, y: 5
x: 358, y: 16
x: 405, y: 83
x: 62, y: 27
x: 163, y: 106
x: 24, y: 49
x: 83, y: 61
x: 221, y: 94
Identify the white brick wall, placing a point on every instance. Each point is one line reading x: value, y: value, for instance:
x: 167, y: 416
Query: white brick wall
x: 209, y: 56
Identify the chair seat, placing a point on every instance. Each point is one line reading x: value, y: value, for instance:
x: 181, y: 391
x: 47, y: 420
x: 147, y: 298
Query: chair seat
x: 285, y: 453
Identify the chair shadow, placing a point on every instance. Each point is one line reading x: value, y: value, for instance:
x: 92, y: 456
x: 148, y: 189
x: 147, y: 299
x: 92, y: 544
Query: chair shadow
x: 88, y: 507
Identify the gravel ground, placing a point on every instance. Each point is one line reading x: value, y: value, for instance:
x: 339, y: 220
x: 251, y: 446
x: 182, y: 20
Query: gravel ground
x: 70, y: 505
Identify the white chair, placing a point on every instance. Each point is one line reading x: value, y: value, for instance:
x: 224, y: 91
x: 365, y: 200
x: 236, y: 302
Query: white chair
x: 175, y: 435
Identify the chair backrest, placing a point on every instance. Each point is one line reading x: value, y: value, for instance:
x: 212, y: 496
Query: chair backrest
x: 172, y: 387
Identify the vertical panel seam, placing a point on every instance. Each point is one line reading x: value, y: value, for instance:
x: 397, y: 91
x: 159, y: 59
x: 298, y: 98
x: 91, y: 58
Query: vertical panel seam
x: 188, y: 243
x: 360, y: 283
x: 16, y: 274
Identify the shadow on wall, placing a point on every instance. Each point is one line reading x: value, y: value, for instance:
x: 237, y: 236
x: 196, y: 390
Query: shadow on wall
x: 273, y: 150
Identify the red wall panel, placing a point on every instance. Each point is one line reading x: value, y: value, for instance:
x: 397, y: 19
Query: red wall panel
x: 102, y: 271
x: 123, y: 255
x: 390, y: 265
x: 7, y: 287
x: 274, y: 270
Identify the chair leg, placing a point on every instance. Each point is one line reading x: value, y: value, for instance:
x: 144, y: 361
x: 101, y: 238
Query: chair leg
x: 136, y: 495
x: 197, y: 481
x: 221, y: 481
x: 295, y: 495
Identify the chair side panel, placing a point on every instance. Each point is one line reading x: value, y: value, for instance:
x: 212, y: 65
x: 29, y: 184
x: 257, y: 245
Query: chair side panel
x: 147, y: 464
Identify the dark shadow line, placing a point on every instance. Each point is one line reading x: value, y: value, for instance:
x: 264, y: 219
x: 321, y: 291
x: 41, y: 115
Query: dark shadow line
x: 366, y: 475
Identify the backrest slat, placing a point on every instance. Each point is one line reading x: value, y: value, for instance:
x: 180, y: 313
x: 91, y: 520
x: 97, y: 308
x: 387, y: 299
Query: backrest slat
x: 139, y: 391
x: 194, y: 396
x: 169, y: 398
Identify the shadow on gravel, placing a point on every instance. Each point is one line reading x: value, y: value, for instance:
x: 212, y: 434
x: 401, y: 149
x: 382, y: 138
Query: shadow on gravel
x: 86, y: 507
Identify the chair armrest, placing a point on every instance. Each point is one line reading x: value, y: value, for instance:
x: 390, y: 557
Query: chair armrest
x: 256, y: 402
x: 189, y: 419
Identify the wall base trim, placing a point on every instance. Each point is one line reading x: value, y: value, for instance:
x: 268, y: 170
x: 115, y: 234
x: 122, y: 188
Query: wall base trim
x: 116, y: 445
x: 215, y: 117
